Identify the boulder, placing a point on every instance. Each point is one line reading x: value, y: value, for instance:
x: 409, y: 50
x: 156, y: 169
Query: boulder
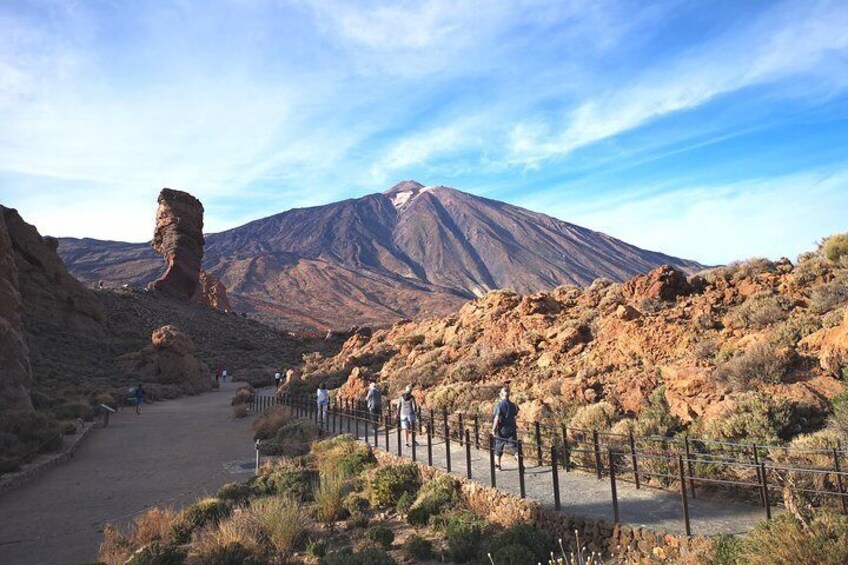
x: 663, y: 283
x: 168, y: 360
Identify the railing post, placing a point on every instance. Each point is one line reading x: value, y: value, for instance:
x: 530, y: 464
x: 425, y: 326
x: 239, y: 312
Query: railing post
x: 597, y: 447
x: 756, y: 458
x: 477, y: 430
x: 681, y: 476
x: 356, y: 423
x: 414, y: 451
x: 538, y: 430
x: 613, y: 489
x: 555, y: 476
x: 387, y: 425
x: 461, y: 428
x: 333, y: 409
x: 467, y: 454
x: 492, y: 479
x: 689, y: 469
x: 447, y: 442
x: 633, y: 460
x: 521, y: 469
x: 376, y: 423
x: 430, y: 445
x: 399, y: 433
x: 566, y: 450
x: 839, y: 481
x: 764, y: 475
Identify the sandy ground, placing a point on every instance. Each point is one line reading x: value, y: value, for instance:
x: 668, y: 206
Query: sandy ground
x: 173, y: 453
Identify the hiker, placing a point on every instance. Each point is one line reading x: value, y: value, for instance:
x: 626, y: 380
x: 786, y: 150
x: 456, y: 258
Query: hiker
x: 139, y: 398
x: 374, y: 400
x: 407, y: 412
x: 224, y: 376
x: 277, y: 378
x: 504, y: 429
x: 323, y: 399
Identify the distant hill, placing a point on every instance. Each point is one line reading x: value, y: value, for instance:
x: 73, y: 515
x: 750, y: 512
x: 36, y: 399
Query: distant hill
x: 410, y: 251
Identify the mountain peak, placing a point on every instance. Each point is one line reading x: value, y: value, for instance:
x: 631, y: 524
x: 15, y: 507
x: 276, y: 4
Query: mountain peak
x: 403, y: 192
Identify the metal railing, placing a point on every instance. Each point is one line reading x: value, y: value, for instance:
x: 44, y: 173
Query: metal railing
x: 693, y: 466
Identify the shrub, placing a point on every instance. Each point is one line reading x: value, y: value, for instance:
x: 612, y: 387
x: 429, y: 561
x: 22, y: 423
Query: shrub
x: 267, y: 424
x: 148, y: 529
x: 705, y: 350
x: 839, y: 419
x: 464, y: 535
x: 244, y: 395
x: 158, y: 554
x: 598, y: 416
x: 317, y: 548
x: 405, y: 503
x: 418, y: 548
x: 758, y: 311
x: 74, y: 410
x: 514, y: 554
x: 371, y: 556
x: 355, y: 503
x: 835, y: 247
x: 827, y: 297
x: 755, y: 417
x: 389, y: 483
x: 357, y: 520
x: 282, y: 520
x: 292, y: 440
x: 380, y: 535
x: 434, y: 496
x: 209, y: 511
x: 761, y: 363
x: 296, y: 482
x: 536, y: 543
x: 783, y: 540
x: 329, y: 497
x: 727, y: 550
x: 656, y: 418
x: 240, y: 410
x: 342, y: 456
x: 235, y: 541
x: 237, y: 492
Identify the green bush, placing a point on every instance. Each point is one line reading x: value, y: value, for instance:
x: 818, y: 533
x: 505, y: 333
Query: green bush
x: 835, y: 247
x: 237, y: 493
x: 827, y: 297
x: 317, y: 548
x: 329, y: 498
x: 342, y: 455
x: 357, y: 520
x: 292, y: 439
x: 288, y: 480
x: 159, y: 554
x: 389, y: 483
x: 536, y: 543
x: 418, y: 548
x: 464, y: 535
x: 233, y: 553
x: 269, y: 422
x: 209, y: 511
x: 727, y: 550
x: 282, y: 520
x: 756, y: 418
x: 433, y: 497
x: 515, y: 554
x: 73, y: 410
x: 760, y: 363
x: 372, y: 556
x: 380, y: 535
x: 355, y: 503
x: 404, y: 503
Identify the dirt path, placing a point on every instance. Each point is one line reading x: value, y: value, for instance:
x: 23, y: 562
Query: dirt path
x: 171, y: 454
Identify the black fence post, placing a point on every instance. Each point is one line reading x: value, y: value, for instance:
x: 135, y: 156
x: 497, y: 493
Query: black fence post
x: 756, y: 458
x: 597, y: 447
x: 839, y: 481
x: 399, y: 433
x: 476, y: 430
x: 375, y: 421
x: 467, y: 454
x: 387, y: 425
x: 566, y: 450
x: 356, y: 423
x: 492, y: 479
x: 447, y: 442
x: 633, y: 460
x: 689, y: 469
x: 555, y: 476
x: 521, y: 469
x: 461, y: 429
x: 764, y: 479
x: 347, y: 414
x: 613, y: 487
x: 414, y: 452
x: 538, y: 430
x: 430, y: 445
x: 681, y: 476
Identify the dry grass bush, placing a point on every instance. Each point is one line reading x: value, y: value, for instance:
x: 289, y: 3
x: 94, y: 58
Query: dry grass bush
x: 785, y: 541
x: 599, y: 416
x: 241, y: 410
x: 835, y: 248
x: 793, y: 330
x: 236, y: 540
x: 282, y: 520
x: 811, y: 267
x: 270, y: 421
x: 833, y: 319
x: 813, y: 450
x: 829, y: 296
x: 329, y: 498
x: 244, y: 395
x: 155, y: 525
x: 341, y: 456
x: 760, y: 363
x: 759, y: 311
x: 291, y: 440
x: 705, y: 350
x: 756, y: 418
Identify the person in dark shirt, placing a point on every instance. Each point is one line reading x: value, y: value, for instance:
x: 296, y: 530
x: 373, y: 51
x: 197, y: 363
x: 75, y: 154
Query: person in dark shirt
x: 504, y: 427
x: 139, y: 398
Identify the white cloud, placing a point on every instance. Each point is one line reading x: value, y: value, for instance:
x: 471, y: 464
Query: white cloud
x: 791, y: 40
x: 773, y: 217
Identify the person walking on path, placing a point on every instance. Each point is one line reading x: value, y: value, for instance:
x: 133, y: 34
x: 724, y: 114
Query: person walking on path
x: 374, y: 400
x: 277, y: 379
x: 322, y: 397
x: 407, y: 412
x: 139, y: 398
x: 504, y: 428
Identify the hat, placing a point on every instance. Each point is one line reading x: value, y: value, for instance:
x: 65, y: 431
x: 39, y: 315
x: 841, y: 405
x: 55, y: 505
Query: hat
x: 408, y: 388
x: 372, y: 385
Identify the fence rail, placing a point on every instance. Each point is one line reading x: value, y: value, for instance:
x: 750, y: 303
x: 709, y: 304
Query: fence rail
x: 692, y: 466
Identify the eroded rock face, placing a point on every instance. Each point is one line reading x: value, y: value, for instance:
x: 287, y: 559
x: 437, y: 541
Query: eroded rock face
x: 179, y: 239
x: 169, y: 360
x: 663, y: 283
x: 16, y: 375
x: 212, y: 293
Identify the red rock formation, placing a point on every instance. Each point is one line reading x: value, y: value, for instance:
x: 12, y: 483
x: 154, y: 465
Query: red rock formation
x: 212, y: 293
x: 169, y: 360
x: 16, y: 374
x: 179, y: 239
x: 663, y: 283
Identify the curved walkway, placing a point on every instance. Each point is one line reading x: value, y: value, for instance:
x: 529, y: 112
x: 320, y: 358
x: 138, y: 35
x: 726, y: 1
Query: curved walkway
x: 173, y: 453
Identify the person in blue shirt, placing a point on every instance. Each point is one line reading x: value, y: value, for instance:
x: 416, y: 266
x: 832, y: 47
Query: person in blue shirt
x: 504, y: 428
x: 139, y: 398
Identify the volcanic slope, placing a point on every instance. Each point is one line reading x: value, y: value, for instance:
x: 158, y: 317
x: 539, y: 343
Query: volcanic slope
x: 410, y: 251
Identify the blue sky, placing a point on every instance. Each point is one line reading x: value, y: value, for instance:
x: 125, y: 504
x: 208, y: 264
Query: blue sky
x: 710, y: 130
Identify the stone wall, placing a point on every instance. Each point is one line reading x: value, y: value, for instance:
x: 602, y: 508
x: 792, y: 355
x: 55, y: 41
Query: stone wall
x: 634, y: 544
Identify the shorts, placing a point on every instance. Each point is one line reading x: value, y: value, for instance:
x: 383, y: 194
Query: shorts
x: 506, y: 438
x: 407, y: 422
